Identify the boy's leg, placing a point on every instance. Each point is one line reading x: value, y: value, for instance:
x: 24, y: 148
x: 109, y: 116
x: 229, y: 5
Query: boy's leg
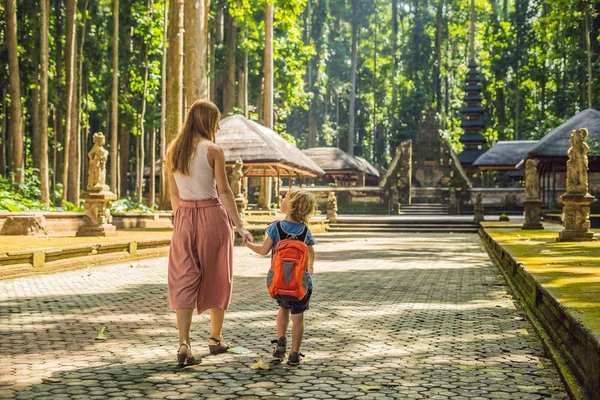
x: 297, y: 331
x: 283, y: 320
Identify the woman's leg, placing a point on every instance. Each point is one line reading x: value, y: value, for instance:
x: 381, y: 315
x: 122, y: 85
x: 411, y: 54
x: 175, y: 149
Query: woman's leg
x: 217, y: 316
x: 184, y: 322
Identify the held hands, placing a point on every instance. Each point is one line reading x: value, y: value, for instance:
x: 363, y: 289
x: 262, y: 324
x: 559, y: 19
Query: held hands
x: 245, y: 234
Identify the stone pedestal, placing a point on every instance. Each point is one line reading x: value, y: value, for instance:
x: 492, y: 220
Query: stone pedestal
x: 242, y: 205
x: 97, y: 220
x: 533, y: 214
x: 28, y: 225
x: 478, y: 212
x: 576, y: 218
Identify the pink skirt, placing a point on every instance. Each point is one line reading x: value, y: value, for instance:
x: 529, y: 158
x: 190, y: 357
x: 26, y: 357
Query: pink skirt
x: 201, y: 256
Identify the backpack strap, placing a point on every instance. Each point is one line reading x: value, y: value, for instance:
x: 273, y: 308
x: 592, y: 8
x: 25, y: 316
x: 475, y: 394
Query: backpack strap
x: 280, y: 231
x: 283, y: 235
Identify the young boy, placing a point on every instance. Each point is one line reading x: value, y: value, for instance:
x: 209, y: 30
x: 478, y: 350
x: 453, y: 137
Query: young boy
x: 298, y: 206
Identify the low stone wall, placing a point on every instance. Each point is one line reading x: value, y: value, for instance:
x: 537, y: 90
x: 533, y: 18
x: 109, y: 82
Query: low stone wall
x: 59, y: 222
x: 572, y: 346
x: 501, y: 197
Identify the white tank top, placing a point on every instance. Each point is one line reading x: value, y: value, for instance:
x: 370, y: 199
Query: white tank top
x: 200, y: 183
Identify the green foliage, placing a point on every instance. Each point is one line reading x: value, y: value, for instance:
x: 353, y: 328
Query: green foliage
x: 21, y: 198
x: 128, y: 205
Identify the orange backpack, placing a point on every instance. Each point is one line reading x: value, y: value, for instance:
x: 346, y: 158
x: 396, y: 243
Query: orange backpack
x: 288, y: 278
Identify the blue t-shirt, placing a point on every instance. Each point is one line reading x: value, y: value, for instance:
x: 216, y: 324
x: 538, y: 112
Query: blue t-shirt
x: 291, y: 228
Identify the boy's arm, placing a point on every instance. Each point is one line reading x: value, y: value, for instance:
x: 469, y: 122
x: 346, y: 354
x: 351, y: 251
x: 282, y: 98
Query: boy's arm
x: 311, y: 259
x: 262, y: 249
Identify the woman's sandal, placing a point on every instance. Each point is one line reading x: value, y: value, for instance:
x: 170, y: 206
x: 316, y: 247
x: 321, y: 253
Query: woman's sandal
x: 185, y: 359
x: 217, y: 348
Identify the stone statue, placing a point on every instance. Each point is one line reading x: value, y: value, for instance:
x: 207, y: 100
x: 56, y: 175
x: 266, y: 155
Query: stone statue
x: 577, y: 166
x: 577, y: 200
x: 532, y: 184
x: 97, y: 219
x: 332, y: 207
x: 97, y: 168
x: 235, y: 180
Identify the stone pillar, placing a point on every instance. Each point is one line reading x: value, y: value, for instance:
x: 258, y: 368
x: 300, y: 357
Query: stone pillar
x: 577, y: 200
x: 532, y: 203
x: 264, y: 194
x: 478, y: 209
x: 97, y: 220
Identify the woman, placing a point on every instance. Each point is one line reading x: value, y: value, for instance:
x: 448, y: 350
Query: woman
x: 200, y: 260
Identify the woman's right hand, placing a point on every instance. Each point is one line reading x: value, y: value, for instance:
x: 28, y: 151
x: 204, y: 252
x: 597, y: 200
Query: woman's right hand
x: 245, y: 234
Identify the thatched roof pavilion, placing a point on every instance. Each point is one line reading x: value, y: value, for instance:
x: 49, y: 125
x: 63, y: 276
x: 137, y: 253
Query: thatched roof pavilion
x: 504, y: 155
x: 551, y: 153
x: 263, y: 151
x: 556, y: 143
x: 341, y: 166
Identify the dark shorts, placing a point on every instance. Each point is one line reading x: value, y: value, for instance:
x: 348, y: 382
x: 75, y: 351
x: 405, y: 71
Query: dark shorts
x: 297, y: 306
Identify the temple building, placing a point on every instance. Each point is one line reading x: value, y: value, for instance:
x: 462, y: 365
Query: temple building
x: 473, y: 141
x: 342, y: 169
x: 498, y: 165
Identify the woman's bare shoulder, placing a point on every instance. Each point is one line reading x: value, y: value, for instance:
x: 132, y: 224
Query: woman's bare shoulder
x: 213, y: 149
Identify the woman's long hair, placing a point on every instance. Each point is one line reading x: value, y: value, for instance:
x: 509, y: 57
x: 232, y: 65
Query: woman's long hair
x: 201, y: 122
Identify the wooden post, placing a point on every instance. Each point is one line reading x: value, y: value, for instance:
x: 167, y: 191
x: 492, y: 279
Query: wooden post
x: 553, y: 185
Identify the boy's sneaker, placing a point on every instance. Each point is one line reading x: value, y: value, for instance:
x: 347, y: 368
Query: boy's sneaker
x: 295, y: 358
x: 280, y: 348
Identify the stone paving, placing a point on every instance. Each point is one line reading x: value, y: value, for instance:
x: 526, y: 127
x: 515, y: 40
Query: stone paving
x: 411, y: 317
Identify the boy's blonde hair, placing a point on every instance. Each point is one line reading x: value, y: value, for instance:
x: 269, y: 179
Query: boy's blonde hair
x: 302, y: 205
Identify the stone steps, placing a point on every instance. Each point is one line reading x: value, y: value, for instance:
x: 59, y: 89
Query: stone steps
x: 383, y: 225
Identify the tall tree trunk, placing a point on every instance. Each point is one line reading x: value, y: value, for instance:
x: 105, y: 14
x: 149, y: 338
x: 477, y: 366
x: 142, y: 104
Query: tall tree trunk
x: 70, y: 79
x: 35, y: 97
x: 163, y: 112
x: 124, y: 129
x: 588, y: 51
x: 114, y: 104
x: 438, y: 53
x: 229, y: 84
x: 196, y: 50
x: 175, y: 81
x: 312, y: 115
x: 58, y: 98
x: 43, y: 143
x: 16, y: 123
x: 394, y: 68
x: 517, y: 134
x: 353, y: 61
x: 268, y: 66
x: 74, y: 141
x: 501, y: 113
x: 152, y: 181
x: 80, y: 111
x: 3, y: 137
x: 141, y: 159
x: 472, y: 32
x: 243, y: 85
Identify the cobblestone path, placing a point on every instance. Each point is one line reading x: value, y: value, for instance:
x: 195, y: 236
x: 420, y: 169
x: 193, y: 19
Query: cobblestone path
x: 412, y: 317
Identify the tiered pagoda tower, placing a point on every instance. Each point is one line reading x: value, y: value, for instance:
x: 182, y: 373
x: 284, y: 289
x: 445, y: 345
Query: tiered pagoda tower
x: 474, y: 142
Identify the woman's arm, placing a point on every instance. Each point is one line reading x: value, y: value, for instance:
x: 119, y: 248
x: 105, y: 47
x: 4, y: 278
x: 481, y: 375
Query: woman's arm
x: 225, y: 193
x: 262, y: 249
x: 174, y: 193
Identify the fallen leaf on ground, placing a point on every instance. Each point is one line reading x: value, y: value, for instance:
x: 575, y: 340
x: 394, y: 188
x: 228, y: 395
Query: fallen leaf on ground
x: 368, y: 388
x: 238, y: 350
x: 101, y: 335
x: 49, y: 380
x: 260, y: 365
x: 163, y: 297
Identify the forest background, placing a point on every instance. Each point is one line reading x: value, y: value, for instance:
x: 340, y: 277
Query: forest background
x: 357, y: 74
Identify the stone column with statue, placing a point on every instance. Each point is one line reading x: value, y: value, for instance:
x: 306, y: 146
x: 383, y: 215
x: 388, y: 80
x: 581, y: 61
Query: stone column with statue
x: 478, y: 212
x: 332, y: 207
x: 532, y: 203
x: 236, y: 182
x: 97, y: 199
x: 577, y: 200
